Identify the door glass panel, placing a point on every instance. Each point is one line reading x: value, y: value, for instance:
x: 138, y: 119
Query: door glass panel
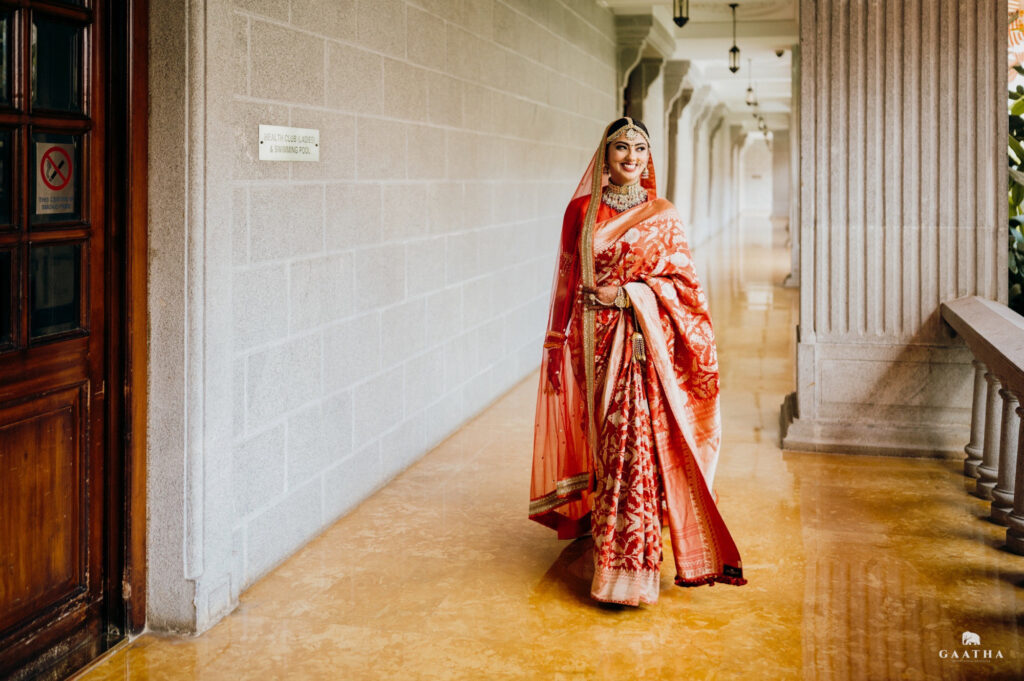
x: 6, y: 323
x: 6, y: 163
x: 56, y: 67
x: 5, y: 57
x: 54, y: 288
x: 56, y: 177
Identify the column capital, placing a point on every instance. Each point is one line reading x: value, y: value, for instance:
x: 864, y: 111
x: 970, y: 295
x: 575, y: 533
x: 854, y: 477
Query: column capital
x: 638, y: 36
x: 676, y: 86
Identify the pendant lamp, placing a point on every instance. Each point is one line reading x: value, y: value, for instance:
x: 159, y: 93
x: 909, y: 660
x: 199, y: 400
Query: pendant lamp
x: 751, y: 96
x: 734, y: 52
x: 680, y: 12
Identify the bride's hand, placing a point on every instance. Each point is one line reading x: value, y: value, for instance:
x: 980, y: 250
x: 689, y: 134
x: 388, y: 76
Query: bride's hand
x: 605, y: 294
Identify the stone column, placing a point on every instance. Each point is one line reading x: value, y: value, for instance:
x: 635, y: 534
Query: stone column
x: 1002, y: 495
x: 677, y: 93
x: 792, y: 279
x: 1015, y: 520
x: 781, y: 189
x: 643, y: 44
x: 973, y: 448
x: 645, y: 101
x: 988, y: 470
x: 687, y: 154
x: 893, y: 221
x: 671, y: 173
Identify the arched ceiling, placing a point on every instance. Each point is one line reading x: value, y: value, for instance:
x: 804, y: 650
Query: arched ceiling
x: 762, y: 28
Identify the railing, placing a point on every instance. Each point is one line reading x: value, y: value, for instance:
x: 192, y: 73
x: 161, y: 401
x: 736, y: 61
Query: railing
x: 995, y: 336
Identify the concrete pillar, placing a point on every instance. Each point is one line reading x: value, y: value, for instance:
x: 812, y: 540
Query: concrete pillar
x: 988, y: 470
x: 676, y: 95
x: 1002, y: 495
x: 780, y: 174
x: 673, y: 171
x: 645, y: 101
x: 686, y: 146
x: 894, y: 221
x: 792, y: 280
x: 973, y: 448
x: 1015, y: 520
x: 702, y: 167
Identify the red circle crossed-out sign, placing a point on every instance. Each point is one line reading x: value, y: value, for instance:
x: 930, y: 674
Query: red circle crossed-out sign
x: 55, y: 168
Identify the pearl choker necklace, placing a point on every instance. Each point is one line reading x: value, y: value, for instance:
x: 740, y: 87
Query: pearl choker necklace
x: 623, y: 197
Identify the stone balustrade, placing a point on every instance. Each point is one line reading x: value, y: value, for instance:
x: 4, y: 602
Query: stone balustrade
x: 995, y: 336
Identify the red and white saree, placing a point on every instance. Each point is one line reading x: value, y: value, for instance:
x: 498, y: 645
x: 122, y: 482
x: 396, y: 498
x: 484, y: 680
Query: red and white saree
x: 648, y: 456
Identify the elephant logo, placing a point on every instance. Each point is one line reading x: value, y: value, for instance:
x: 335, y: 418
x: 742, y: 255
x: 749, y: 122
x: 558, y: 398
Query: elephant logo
x: 969, y: 638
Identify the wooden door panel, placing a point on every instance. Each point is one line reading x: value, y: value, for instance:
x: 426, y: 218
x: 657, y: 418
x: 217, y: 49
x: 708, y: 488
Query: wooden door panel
x: 42, y: 489
x: 60, y: 577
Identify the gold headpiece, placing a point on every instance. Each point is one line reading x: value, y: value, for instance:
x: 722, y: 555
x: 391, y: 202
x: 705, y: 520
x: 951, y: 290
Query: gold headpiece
x: 631, y: 130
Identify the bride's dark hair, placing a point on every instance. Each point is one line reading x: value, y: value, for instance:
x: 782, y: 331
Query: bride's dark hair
x: 623, y: 122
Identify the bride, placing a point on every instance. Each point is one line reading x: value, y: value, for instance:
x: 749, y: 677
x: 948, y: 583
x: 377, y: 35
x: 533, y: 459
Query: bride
x: 627, y: 427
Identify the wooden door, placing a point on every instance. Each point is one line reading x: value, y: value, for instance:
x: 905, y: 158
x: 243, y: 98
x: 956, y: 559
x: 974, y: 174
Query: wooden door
x: 55, y: 524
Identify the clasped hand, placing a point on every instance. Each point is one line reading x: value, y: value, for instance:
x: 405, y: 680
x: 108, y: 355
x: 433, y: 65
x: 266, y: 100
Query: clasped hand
x: 599, y: 296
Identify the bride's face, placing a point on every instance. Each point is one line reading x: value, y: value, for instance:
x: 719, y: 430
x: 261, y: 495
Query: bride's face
x: 626, y: 160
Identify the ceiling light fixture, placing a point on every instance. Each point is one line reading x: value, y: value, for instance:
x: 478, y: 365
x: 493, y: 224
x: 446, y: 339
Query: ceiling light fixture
x: 751, y: 97
x: 680, y: 12
x: 734, y: 52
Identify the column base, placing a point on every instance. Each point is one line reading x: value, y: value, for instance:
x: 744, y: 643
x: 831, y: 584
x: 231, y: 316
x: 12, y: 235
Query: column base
x: 1002, y: 505
x: 972, y: 461
x: 987, y: 480
x: 878, y: 439
x: 1015, y: 533
x: 1000, y: 514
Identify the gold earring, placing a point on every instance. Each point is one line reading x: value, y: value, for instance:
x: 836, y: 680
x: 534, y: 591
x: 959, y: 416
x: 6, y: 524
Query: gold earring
x: 645, y: 174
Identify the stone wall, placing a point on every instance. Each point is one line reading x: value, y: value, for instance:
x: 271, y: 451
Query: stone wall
x: 317, y: 327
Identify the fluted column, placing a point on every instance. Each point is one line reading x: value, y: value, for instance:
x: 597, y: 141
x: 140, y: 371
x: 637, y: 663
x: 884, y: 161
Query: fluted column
x: 988, y: 471
x: 973, y: 448
x: 1002, y: 495
x: 893, y: 221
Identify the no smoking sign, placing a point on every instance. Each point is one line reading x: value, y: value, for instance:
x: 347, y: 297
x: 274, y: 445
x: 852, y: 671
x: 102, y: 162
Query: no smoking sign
x: 55, y: 175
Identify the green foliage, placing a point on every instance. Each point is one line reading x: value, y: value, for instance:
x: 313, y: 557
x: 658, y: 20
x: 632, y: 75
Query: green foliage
x: 1015, y: 154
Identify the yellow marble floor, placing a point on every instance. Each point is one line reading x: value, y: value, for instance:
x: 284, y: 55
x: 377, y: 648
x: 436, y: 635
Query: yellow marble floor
x: 859, y: 567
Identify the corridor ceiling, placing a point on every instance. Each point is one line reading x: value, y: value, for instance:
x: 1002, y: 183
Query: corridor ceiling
x: 762, y: 27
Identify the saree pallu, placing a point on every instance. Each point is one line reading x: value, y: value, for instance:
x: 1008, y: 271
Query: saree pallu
x: 657, y: 418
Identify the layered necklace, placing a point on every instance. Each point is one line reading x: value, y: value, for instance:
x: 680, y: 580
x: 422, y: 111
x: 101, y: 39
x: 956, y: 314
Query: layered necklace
x: 623, y: 197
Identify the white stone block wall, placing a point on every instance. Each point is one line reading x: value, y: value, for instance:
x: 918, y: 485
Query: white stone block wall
x: 385, y: 295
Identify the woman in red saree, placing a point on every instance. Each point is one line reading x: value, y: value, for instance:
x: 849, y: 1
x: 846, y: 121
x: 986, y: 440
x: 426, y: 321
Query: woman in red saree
x: 628, y: 427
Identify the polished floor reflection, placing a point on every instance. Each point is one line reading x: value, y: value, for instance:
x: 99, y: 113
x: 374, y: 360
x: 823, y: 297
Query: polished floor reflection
x: 859, y: 567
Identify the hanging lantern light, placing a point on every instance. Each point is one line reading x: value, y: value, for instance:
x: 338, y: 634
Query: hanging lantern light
x: 734, y: 52
x: 751, y: 97
x: 680, y: 12
x: 761, y: 125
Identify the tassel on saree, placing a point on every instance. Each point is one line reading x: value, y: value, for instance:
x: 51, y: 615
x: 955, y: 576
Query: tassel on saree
x: 638, y: 347
x: 639, y: 351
